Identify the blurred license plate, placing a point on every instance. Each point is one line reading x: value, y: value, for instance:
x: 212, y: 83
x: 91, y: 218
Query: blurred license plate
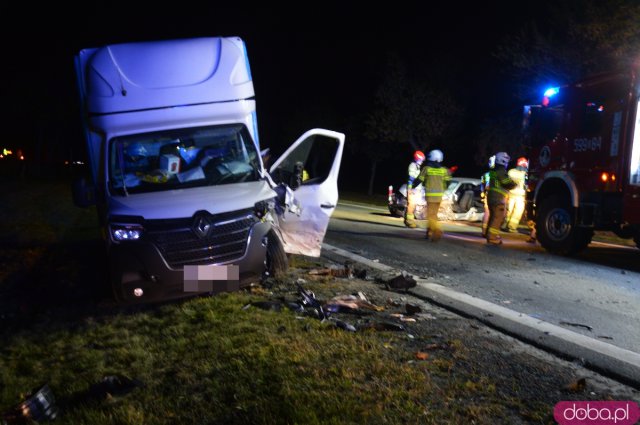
x: 202, y: 278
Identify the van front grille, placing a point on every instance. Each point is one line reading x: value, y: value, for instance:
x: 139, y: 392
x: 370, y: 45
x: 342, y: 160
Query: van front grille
x: 202, y: 239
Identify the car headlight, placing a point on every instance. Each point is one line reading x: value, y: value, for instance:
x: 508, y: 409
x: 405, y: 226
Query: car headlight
x: 126, y: 232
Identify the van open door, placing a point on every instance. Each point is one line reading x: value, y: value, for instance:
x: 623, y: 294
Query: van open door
x: 310, y: 168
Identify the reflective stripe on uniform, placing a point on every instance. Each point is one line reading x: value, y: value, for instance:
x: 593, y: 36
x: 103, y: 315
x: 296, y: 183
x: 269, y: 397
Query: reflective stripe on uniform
x: 436, y: 172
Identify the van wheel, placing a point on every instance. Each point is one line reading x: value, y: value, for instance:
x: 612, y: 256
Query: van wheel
x: 556, y: 228
x: 276, y: 261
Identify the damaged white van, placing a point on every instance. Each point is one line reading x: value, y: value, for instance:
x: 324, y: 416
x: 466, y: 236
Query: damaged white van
x: 180, y: 187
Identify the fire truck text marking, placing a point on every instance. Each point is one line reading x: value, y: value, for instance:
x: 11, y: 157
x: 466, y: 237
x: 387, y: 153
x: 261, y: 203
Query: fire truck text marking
x: 585, y: 144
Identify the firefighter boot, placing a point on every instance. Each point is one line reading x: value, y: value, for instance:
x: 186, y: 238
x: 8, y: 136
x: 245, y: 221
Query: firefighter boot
x: 409, y: 221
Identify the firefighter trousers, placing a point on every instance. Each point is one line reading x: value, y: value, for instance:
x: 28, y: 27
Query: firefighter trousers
x: 485, y: 218
x: 409, y: 212
x: 497, y: 213
x: 514, y: 212
x: 434, y: 232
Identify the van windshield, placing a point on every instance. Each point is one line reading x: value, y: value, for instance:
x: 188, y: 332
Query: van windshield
x: 181, y: 158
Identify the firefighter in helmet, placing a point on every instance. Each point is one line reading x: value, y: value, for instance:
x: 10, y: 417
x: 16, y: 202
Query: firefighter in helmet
x: 414, y: 172
x: 436, y: 178
x: 499, y: 188
x: 484, y: 188
x: 515, y: 207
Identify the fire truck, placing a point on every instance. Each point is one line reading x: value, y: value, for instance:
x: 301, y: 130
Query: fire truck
x: 583, y: 141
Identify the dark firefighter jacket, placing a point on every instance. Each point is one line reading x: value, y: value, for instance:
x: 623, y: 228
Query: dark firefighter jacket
x: 500, y: 184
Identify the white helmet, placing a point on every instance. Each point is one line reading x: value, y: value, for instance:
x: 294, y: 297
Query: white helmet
x: 436, y: 155
x: 503, y: 158
x: 492, y: 161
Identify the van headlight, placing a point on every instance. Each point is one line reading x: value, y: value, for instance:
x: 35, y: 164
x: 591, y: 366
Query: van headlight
x: 126, y: 232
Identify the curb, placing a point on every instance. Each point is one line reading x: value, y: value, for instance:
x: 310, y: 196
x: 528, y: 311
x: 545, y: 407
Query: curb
x: 604, y: 358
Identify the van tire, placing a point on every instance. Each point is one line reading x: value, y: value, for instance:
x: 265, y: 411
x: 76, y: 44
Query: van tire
x: 556, y: 227
x: 276, y: 261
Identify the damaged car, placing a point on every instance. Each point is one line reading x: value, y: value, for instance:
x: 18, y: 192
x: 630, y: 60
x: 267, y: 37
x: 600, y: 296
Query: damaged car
x: 461, y: 201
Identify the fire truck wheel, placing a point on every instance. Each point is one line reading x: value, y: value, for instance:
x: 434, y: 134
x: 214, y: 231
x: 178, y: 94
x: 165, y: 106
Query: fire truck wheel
x: 556, y: 229
x: 276, y: 261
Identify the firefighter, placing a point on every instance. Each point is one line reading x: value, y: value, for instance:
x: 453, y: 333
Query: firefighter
x: 515, y: 207
x: 484, y: 188
x: 414, y: 172
x: 499, y: 188
x: 436, y: 178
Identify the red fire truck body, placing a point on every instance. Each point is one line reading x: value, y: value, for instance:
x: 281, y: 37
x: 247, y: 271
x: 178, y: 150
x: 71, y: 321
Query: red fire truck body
x: 584, y: 167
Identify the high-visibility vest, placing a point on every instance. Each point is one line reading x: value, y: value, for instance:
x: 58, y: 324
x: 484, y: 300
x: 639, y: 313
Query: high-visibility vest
x: 435, y: 180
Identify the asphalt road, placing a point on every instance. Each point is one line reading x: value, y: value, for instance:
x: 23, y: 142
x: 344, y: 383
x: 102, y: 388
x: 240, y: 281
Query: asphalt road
x: 584, y: 307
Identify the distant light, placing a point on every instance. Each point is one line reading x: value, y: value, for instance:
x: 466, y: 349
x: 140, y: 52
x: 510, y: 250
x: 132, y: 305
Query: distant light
x: 604, y: 177
x: 6, y: 151
x: 551, y: 91
x: 21, y: 157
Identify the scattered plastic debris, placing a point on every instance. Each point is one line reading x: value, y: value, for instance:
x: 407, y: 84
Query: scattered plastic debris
x: 577, y: 386
x: 335, y: 272
x: 422, y: 356
x: 412, y: 309
x: 351, y: 303
x: 346, y: 326
x: 39, y: 407
x: 114, y: 385
x: 402, y: 281
x: 309, y: 298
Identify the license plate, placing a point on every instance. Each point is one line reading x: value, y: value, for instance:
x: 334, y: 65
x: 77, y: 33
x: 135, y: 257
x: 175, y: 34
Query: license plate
x: 202, y: 278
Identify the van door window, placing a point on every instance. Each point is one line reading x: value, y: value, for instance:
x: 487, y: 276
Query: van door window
x: 309, y: 163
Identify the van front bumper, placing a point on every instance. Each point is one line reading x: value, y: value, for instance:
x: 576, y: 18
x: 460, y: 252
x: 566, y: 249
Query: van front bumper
x: 139, y: 272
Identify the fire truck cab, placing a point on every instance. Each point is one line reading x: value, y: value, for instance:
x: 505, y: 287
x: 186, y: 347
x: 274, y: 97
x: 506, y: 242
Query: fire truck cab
x: 584, y: 168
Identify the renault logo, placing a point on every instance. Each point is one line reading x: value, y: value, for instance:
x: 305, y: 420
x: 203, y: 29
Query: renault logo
x: 201, y: 227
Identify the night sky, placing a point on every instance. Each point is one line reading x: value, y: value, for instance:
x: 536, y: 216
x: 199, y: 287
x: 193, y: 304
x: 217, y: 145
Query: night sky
x: 317, y: 64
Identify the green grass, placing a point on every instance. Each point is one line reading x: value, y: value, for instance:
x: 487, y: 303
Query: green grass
x: 210, y: 361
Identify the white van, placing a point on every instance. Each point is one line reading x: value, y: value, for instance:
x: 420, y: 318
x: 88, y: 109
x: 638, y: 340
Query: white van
x: 181, y: 191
